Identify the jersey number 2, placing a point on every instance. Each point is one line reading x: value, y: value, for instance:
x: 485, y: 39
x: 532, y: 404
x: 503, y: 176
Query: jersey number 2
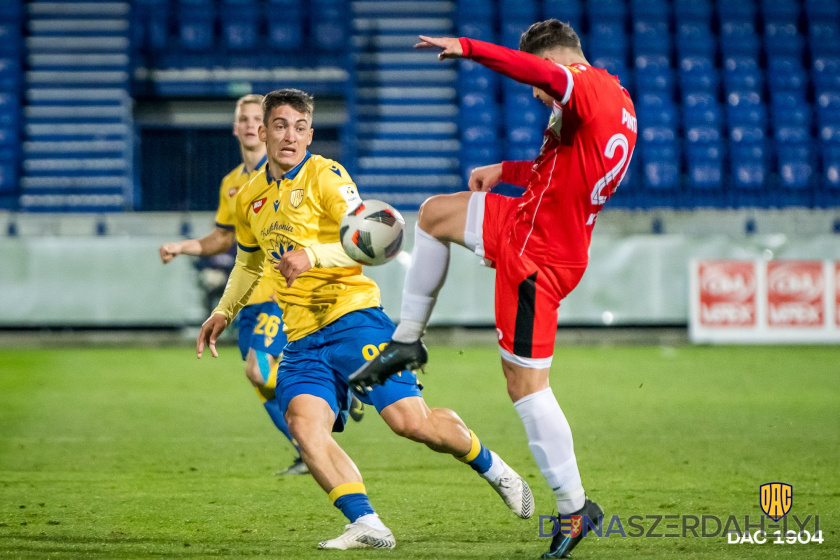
x: 617, y: 141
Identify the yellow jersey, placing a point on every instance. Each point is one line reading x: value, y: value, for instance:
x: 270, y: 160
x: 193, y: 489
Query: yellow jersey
x: 226, y: 212
x: 303, y: 208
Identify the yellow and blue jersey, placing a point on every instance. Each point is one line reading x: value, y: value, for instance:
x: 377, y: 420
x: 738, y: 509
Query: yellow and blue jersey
x: 300, y: 209
x: 226, y: 216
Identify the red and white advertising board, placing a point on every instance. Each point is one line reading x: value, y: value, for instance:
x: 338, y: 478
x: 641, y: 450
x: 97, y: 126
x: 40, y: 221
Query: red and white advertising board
x: 783, y: 301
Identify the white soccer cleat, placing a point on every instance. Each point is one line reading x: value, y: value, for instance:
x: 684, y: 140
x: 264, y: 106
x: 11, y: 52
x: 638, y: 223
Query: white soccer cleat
x: 360, y: 535
x: 514, y: 491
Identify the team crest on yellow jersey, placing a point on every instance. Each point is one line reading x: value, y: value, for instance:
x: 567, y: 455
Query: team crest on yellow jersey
x: 296, y: 197
x: 776, y: 499
x: 278, y: 245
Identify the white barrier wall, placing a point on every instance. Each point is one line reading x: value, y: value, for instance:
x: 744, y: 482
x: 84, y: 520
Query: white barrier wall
x: 117, y: 279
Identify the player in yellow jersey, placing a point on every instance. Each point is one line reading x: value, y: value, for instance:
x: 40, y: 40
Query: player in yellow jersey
x: 261, y: 338
x: 290, y: 214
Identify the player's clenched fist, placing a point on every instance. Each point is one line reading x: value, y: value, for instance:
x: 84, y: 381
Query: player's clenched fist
x: 168, y: 252
x: 293, y: 264
x: 450, y: 45
x: 210, y: 332
x: 484, y: 178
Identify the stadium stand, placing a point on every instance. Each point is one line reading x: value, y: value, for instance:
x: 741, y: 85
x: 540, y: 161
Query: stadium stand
x: 738, y: 102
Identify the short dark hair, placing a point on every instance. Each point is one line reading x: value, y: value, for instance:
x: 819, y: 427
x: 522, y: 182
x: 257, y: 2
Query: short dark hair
x: 546, y: 35
x: 298, y: 100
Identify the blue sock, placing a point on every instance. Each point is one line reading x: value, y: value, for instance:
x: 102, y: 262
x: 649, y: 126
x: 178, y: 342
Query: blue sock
x: 353, y: 506
x: 273, y: 409
x: 482, y: 461
x: 479, y: 457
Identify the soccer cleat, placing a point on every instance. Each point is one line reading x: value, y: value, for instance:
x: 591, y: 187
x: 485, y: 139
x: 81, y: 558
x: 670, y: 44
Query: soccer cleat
x: 396, y: 357
x: 297, y: 467
x: 360, y: 535
x: 357, y: 409
x: 515, y: 492
x: 577, y: 526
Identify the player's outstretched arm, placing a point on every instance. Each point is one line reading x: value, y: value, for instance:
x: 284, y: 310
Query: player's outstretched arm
x: 211, y: 329
x: 450, y: 46
x: 219, y: 241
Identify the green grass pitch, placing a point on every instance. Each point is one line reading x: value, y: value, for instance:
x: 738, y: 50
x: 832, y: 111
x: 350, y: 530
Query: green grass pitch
x: 141, y: 453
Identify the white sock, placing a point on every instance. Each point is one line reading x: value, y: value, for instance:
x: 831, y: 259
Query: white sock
x: 372, y: 520
x: 550, y: 440
x: 424, y: 279
x: 496, y: 470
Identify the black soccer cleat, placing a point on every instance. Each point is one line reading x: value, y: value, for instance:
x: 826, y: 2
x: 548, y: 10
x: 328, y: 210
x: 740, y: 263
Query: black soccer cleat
x: 394, y: 358
x: 573, y: 527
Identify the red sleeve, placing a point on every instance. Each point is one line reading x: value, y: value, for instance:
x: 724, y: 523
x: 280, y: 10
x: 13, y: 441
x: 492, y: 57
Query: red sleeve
x: 516, y: 172
x: 554, y: 79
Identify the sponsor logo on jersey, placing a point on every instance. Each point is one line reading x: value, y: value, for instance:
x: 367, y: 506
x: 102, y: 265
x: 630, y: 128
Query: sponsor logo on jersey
x: 296, y: 197
x: 232, y: 192
x: 336, y: 170
x: 776, y: 499
x: 258, y: 204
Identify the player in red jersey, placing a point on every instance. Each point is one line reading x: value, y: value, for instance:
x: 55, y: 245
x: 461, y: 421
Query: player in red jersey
x: 539, y: 244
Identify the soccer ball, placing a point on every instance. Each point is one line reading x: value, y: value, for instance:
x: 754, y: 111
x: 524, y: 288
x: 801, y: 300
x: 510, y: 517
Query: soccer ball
x: 372, y: 233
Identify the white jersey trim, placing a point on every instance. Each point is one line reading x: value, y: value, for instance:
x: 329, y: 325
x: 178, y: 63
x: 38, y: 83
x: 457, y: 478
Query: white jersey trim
x: 569, y: 85
x: 533, y: 363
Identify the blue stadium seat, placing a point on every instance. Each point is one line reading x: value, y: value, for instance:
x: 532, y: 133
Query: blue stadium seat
x: 699, y: 11
x: 651, y: 38
x: 328, y: 24
x: 473, y: 76
x: 655, y: 80
x: 704, y: 163
x: 786, y: 74
x: 616, y: 67
x: 655, y: 113
x: 10, y: 75
x: 742, y: 73
x: 569, y: 11
x: 822, y: 10
x: 512, y: 31
x: 746, y: 134
x: 529, y: 135
x: 484, y: 152
x: 695, y: 39
x: 606, y: 10
x: 739, y: 38
x: 783, y: 39
x: 651, y: 63
x: 650, y: 10
x: 10, y: 39
x: 521, y: 152
x: 780, y: 11
x: 661, y: 165
x: 9, y: 110
x: 699, y: 75
x: 240, y: 28
x: 702, y: 110
x: 195, y: 28
x: 824, y: 38
x: 828, y: 108
x: 703, y: 134
x: 831, y: 165
x: 826, y: 73
x: 479, y: 134
x: 481, y: 30
x: 791, y: 134
x: 796, y: 164
x: 473, y: 10
x: 746, y: 108
x: 607, y: 39
x: 791, y: 109
x: 741, y: 11
x: 285, y: 26
x: 8, y: 177
x: 748, y: 162
x: 519, y: 10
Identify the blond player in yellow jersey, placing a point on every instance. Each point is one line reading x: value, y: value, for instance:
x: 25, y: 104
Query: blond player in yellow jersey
x: 290, y: 213
x: 261, y: 337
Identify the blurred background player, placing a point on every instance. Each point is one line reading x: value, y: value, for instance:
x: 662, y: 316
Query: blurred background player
x: 261, y: 338
x: 539, y: 244
x: 289, y: 215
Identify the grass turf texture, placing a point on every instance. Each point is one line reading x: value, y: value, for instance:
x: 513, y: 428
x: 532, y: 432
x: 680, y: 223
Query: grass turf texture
x: 141, y: 453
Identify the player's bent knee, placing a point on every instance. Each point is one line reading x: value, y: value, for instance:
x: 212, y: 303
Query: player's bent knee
x: 409, y: 427
x: 441, y: 216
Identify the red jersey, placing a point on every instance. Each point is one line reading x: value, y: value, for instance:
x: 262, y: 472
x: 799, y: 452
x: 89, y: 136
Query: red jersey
x: 586, y: 150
